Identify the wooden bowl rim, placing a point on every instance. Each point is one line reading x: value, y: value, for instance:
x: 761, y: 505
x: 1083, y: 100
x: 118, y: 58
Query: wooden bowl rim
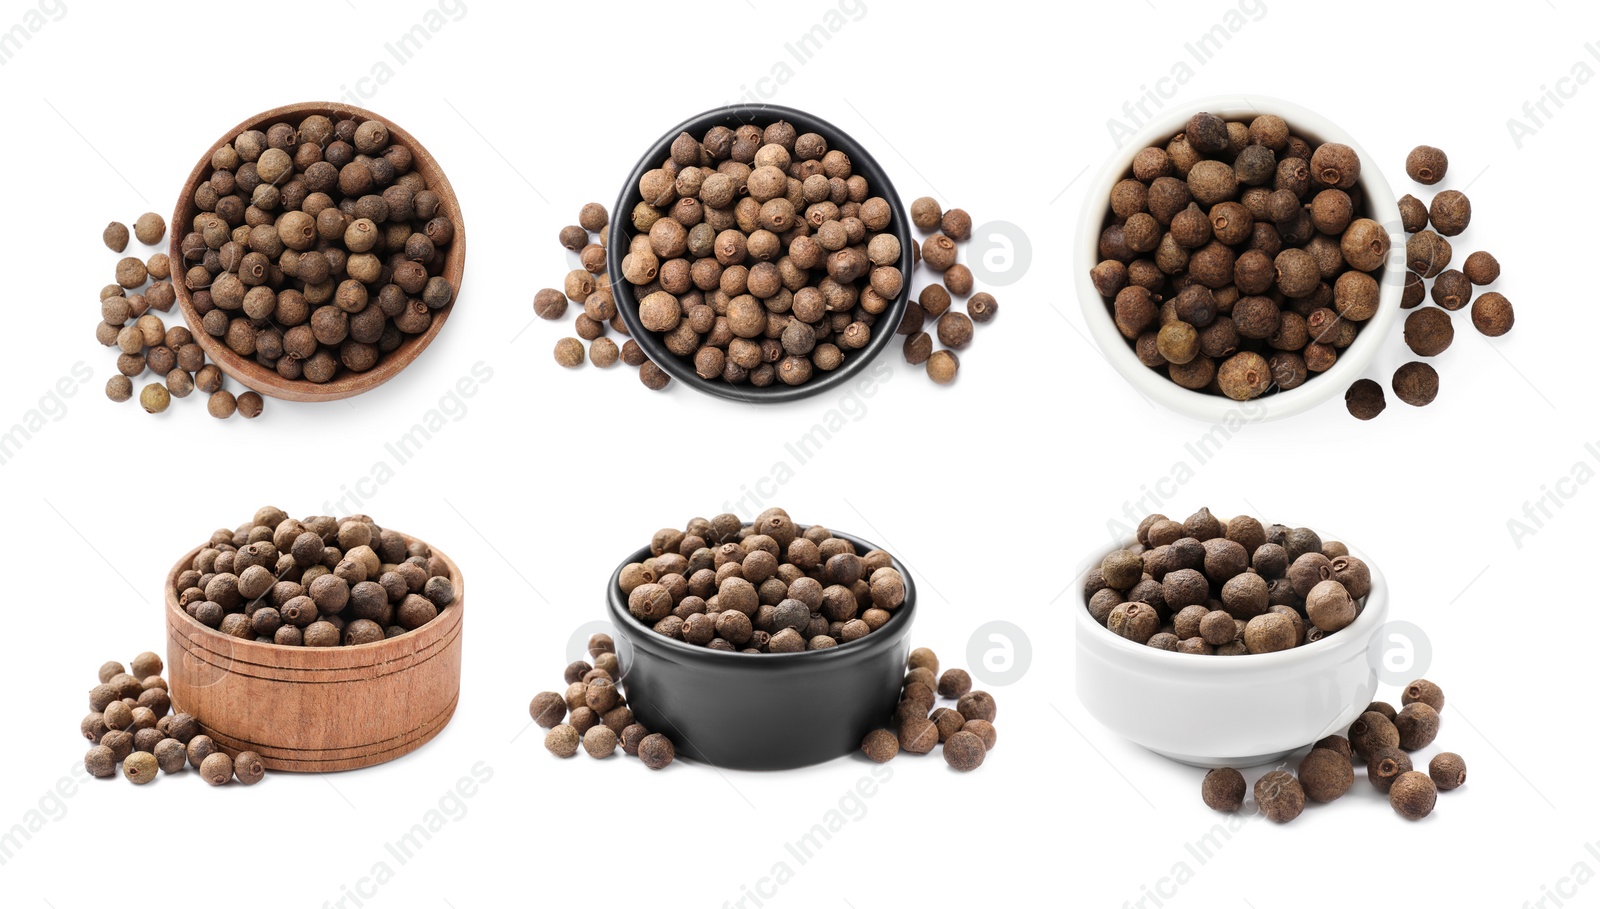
x: 283, y: 656
x: 347, y: 384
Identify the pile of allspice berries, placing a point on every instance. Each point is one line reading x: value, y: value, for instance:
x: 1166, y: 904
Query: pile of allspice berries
x: 589, y: 287
x: 1382, y: 739
x: 1429, y: 330
x: 146, y: 343
x: 966, y: 731
x: 593, y: 713
x: 939, y: 252
x: 130, y: 724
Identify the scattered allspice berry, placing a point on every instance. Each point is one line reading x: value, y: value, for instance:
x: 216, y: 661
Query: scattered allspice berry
x: 1416, y: 383
x: 1492, y: 314
x: 1423, y: 691
x: 963, y: 751
x: 880, y: 745
x: 1279, y: 796
x: 1418, y: 725
x: 217, y: 768
x: 656, y: 751
x: 562, y: 741
x: 1481, y: 268
x: 1426, y: 165
x: 1447, y: 770
x: 1325, y: 775
x: 115, y: 236
x: 247, y: 768
x: 1413, y: 795
x: 1386, y: 766
x: 1364, y: 399
x: 140, y: 767
x: 1223, y: 789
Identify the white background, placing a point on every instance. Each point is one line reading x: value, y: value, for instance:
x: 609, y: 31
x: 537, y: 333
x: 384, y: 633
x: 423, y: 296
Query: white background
x: 992, y: 490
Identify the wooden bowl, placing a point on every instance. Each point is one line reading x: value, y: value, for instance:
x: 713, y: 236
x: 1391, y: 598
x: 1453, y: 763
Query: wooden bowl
x: 316, y: 708
x: 345, y: 383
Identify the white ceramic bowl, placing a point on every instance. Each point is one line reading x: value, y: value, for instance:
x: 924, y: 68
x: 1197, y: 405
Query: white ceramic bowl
x: 1153, y: 384
x: 1228, y: 711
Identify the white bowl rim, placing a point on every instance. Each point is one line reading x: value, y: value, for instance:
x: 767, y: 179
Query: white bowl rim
x: 1352, y: 362
x: 1375, y: 610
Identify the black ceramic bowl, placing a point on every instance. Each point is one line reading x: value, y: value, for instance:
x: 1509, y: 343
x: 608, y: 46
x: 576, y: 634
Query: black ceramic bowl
x: 762, y: 711
x: 682, y: 368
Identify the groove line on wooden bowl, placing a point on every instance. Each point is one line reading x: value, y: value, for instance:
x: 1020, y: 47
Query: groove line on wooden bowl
x: 240, y: 743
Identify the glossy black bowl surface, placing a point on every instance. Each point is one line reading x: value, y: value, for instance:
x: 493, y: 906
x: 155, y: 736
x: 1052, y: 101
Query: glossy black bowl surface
x: 762, y: 711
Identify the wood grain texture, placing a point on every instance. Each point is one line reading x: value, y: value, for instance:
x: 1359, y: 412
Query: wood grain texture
x: 246, y: 370
x: 316, y: 708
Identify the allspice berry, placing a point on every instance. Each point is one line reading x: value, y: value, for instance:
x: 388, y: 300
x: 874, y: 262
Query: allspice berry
x: 562, y: 741
x: 942, y: 366
x: 217, y: 769
x: 150, y: 228
x: 1372, y: 733
x: 100, y: 761
x: 954, y: 683
x: 1418, y: 726
x: 656, y: 751
x: 1364, y: 399
x: 1450, y: 212
x: 548, y: 709
x: 154, y: 398
x: 1428, y: 331
x: 1447, y: 770
x: 925, y: 214
x: 1426, y: 165
x: 1413, y: 795
x: 880, y: 745
x: 171, y: 756
x: 964, y: 751
x: 200, y: 748
x: 1492, y: 314
x: 1280, y: 796
x: 140, y: 767
x: 1386, y: 766
x: 569, y: 352
x: 115, y: 236
x: 977, y: 705
x: 600, y: 741
x: 1416, y: 383
x: 1481, y: 268
x: 1423, y: 691
x: 1223, y: 789
x: 248, y: 769
x: 918, y: 735
x: 1325, y: 775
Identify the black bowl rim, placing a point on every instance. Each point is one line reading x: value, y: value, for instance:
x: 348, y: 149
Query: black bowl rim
x: 618, y: 606
x: 861, y: 161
